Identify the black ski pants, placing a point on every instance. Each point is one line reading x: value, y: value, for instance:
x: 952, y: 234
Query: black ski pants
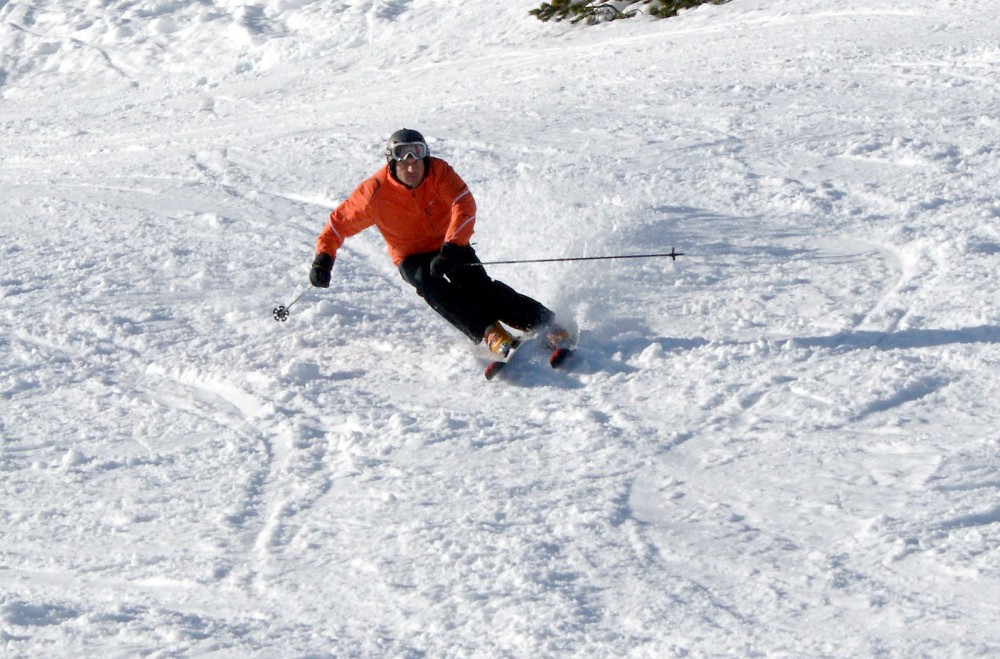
x: 468, y: 299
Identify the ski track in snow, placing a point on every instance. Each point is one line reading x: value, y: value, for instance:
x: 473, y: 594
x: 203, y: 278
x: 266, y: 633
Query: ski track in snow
x: 782, y: 444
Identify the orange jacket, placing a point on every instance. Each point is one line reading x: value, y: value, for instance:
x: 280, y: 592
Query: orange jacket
x: 441, y: 209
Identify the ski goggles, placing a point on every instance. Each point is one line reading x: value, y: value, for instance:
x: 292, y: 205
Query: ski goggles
x: 404, y: 150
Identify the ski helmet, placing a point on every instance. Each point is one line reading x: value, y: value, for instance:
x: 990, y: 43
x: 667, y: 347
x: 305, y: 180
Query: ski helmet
x: 407, y: 137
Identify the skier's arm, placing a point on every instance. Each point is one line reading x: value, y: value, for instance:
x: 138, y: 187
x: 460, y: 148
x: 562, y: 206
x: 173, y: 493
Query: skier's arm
x: 463, y: 208
x: 350, y: 217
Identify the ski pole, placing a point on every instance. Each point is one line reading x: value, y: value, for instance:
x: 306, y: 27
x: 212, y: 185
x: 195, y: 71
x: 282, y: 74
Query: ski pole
x: 280, y: 312
x: 673, y: 254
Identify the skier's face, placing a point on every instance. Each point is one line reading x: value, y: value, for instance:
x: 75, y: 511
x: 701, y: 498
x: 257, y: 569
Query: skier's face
x: 410, y: 172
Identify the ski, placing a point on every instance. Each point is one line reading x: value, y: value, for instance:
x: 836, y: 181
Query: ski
x: 493, y: 368
x: 497, y: 365
x: 558, y: 357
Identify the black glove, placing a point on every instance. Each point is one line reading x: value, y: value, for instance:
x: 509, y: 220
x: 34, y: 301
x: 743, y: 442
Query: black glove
x: 450, y: 257
x: 319, y: 276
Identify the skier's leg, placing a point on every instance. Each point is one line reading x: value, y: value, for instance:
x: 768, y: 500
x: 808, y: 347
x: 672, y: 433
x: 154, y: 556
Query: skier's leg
x: 503, y: 302
x: 518, y: 310
x: 447, y: 299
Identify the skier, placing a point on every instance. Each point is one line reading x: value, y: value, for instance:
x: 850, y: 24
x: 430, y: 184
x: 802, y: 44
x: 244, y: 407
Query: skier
x: 426, y: 215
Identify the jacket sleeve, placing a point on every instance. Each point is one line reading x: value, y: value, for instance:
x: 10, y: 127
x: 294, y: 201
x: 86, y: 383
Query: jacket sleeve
x: 463, y: 207
x: 352, y: 216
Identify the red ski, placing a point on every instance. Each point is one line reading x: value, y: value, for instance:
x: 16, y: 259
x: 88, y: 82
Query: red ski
x: 559, y: 356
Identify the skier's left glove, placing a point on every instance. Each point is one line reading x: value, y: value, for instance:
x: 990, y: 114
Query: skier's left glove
x: 448, y: 259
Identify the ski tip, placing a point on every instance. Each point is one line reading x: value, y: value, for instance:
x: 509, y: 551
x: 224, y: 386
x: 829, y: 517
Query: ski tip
x: 559, y: 357
x: 494, y: 368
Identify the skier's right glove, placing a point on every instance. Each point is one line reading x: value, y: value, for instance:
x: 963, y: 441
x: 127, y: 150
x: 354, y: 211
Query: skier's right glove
x: 322, y: 265
x: 448, y: 259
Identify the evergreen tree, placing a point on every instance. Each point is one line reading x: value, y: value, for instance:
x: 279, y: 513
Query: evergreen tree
x: 595, y: 11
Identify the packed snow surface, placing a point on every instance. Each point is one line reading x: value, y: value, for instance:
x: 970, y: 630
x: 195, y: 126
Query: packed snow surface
x: 785, y: 443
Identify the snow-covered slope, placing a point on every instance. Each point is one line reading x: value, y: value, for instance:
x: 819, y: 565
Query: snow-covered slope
x: 783, y: 444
